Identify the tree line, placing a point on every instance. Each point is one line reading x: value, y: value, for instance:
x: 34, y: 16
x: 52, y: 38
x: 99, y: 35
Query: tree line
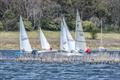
x: 47, y: 14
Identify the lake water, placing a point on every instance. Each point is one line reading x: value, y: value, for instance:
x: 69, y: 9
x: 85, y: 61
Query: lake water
x: 34, y: 70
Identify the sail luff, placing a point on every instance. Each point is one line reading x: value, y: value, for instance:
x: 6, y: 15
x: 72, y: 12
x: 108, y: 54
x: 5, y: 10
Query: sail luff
x: 24, y: 41
x: 61, y: 35
x: 20, y: 36
x: 80, y: 43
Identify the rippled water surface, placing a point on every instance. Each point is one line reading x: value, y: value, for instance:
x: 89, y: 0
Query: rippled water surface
x: 34, y: 70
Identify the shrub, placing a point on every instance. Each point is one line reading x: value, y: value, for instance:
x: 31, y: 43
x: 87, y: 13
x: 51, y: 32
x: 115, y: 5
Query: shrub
x: 1, y: 26
x: 90, y: 27
x: 48, y: 24
x: 9, y: 21
x: 28, y: 25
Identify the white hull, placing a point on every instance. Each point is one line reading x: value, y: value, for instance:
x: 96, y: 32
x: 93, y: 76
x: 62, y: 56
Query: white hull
x: 60, y: 52
x: 48, y: 51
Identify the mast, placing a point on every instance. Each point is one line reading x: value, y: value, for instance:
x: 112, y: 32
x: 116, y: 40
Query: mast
x: 101, y: 40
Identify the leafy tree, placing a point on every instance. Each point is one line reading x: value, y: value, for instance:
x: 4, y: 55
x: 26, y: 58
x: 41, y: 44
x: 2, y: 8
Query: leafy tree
x: 1, y: 26
x: 90, y: 27
x: 108, y: 10
x: 9, y: 20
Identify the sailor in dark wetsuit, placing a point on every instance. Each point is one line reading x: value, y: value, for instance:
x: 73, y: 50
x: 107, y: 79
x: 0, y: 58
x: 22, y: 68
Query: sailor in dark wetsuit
x: 50, y: 49
x: 34, y: 52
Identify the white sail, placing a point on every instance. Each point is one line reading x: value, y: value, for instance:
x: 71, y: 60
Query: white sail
x: 70, y: 40
x: 24, y: 41
x: 63, y: 38
x: 44, y: 43
x: 80, y: 43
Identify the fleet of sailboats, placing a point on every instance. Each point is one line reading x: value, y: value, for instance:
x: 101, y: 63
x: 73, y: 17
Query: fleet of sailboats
x: 67, y: 43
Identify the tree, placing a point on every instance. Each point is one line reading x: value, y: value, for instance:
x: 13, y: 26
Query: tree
x: 9, y: 20
x: 90, y: 27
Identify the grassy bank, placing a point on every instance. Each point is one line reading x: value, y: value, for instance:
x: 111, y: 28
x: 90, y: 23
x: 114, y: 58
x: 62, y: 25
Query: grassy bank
x: 10, y: 40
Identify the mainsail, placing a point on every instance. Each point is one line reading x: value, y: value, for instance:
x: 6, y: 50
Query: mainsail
x: 70, y: 40
x: 80, y: 43
x: 24, y: 41
x: 44, y: 43
x: 63, y: 39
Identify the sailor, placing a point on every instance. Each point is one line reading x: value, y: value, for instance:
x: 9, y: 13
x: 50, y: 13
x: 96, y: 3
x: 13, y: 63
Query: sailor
x: 50, y: 49
x: 34, y: 52
x: 23, y: 50
x: 88, y: 50
x: 81, y: 51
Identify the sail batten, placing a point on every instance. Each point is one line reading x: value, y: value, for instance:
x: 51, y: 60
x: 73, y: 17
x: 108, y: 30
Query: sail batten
x: 80, y: 43
x: 24, y: 41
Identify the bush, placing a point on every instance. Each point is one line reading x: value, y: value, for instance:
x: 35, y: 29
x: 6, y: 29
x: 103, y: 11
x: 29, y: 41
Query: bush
x: 9, y: 21
x: 1, y: 26
x: 90, y: 27
x: 48, y: 24
x: 28, y: 25
x: 71, y: 21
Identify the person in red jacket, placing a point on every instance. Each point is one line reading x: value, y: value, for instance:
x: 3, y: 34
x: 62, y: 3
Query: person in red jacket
x: 88, y: 50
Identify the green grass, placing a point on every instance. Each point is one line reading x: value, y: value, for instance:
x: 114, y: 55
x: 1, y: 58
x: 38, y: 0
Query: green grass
x: 10, y: 40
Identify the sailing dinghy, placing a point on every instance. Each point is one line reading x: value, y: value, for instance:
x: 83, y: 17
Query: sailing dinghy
x: 45, y: 44
x: 24, y: 41
x: 64, y: 46
x: 70, y: 40
x: 80, y: 43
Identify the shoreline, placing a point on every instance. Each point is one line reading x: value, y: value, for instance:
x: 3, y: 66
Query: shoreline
x: 10, y: 40
x: 60, y: 58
